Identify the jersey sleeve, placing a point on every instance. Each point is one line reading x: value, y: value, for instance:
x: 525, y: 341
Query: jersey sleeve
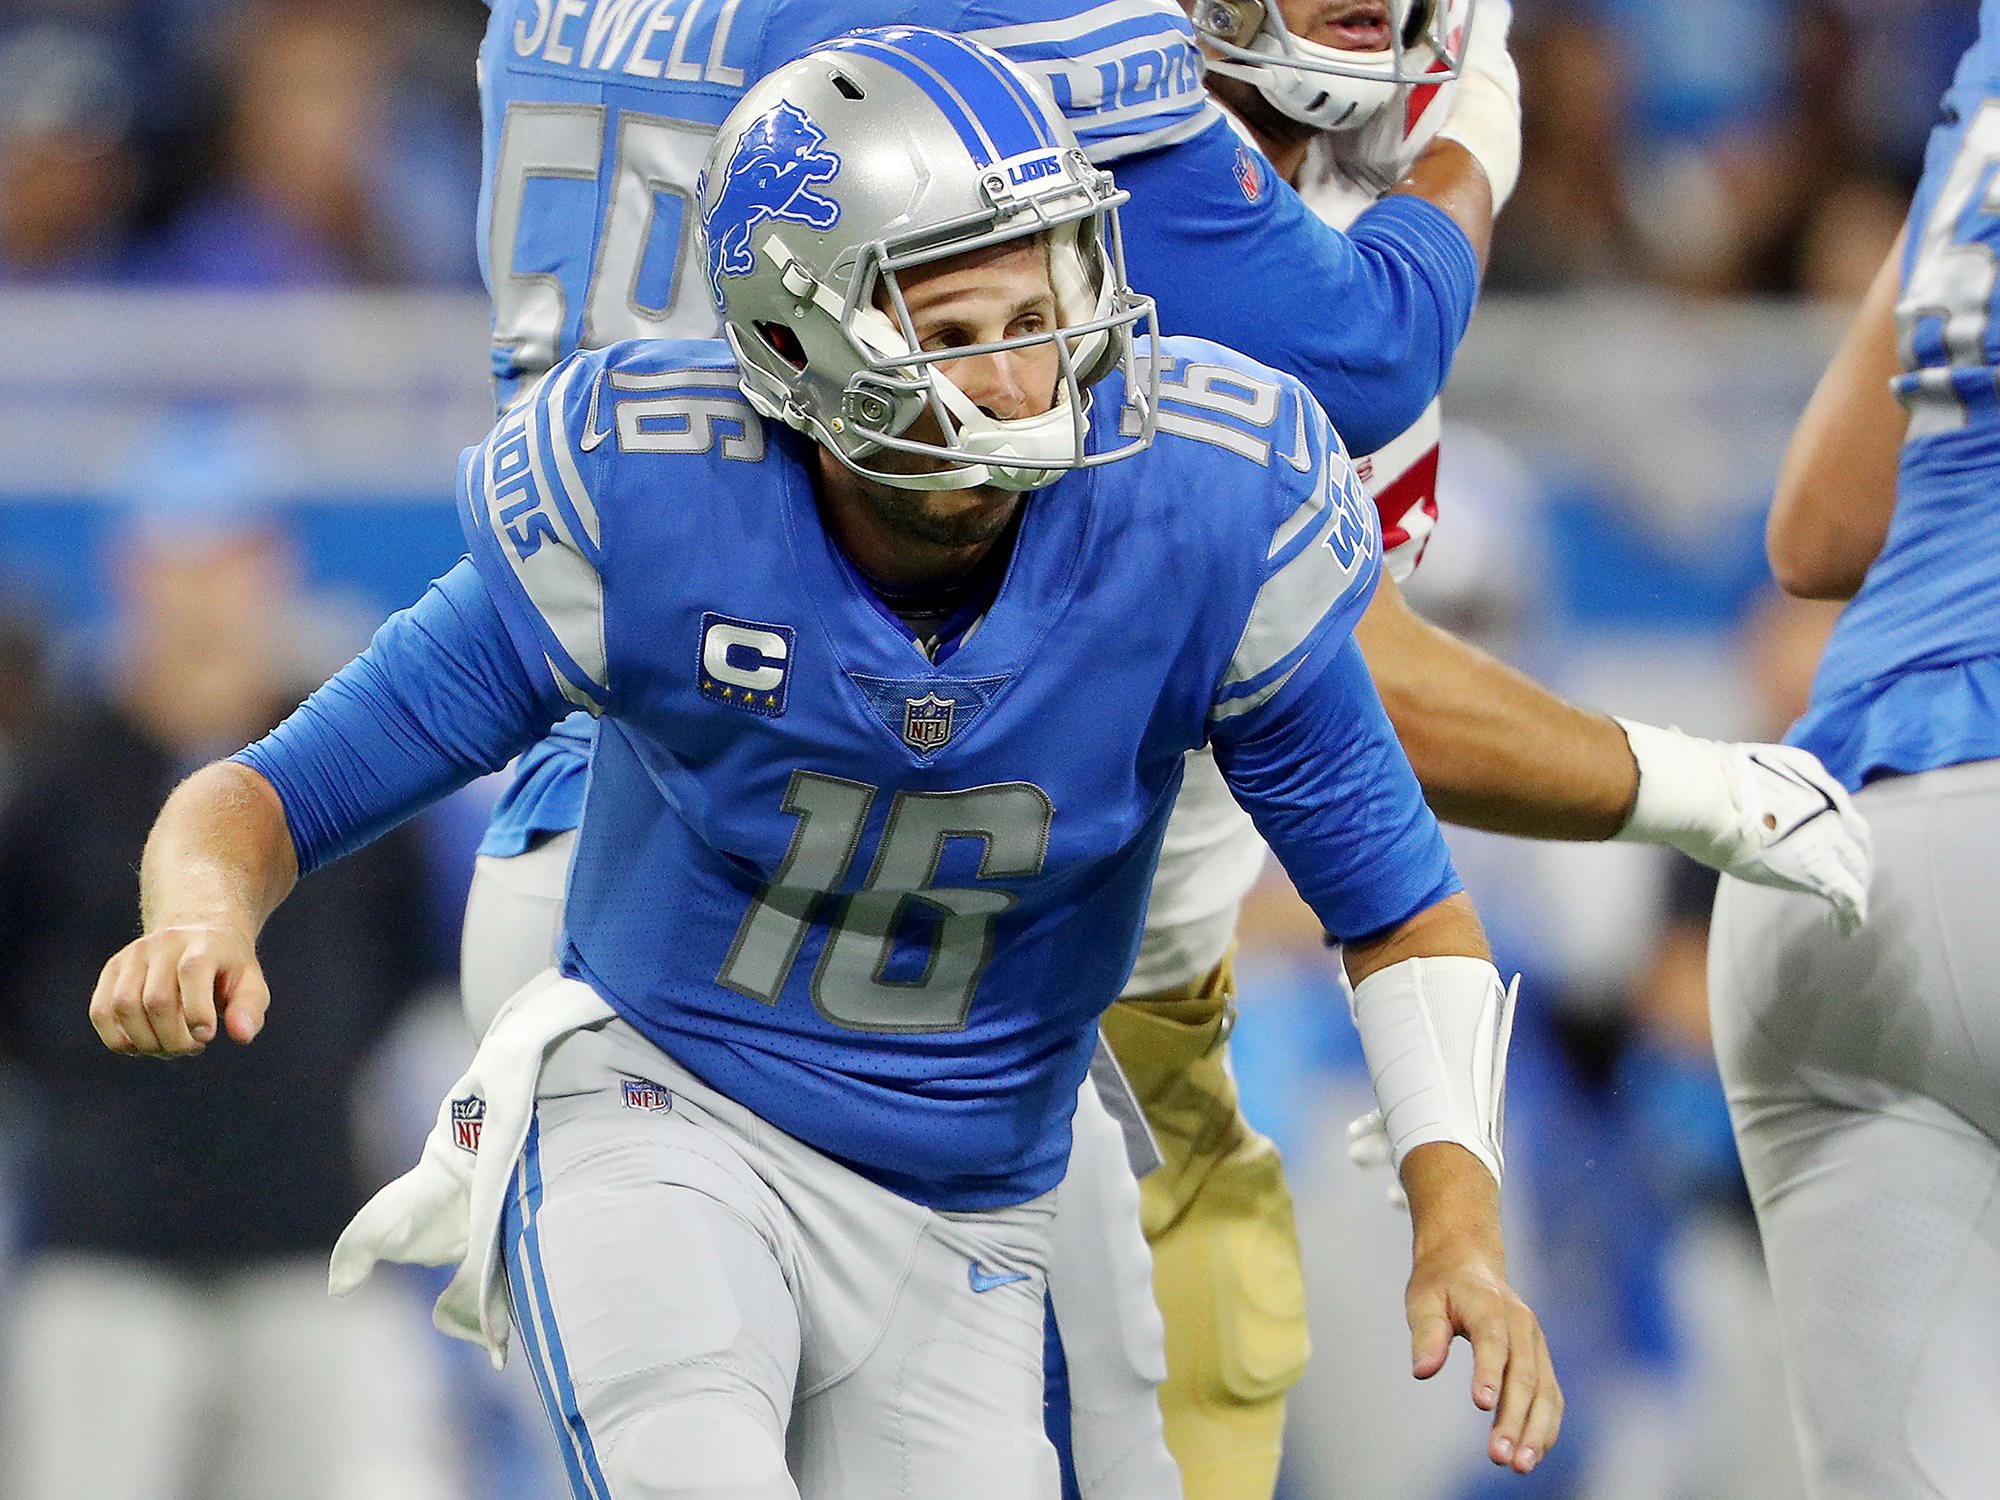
x: 439, y: 697
x: 1322, y: 557
x: 530, y: 504
x: 1370, y: 319
x: 1331, y: 791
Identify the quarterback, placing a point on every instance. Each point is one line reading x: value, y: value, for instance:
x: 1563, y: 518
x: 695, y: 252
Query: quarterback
x: 851, y: 889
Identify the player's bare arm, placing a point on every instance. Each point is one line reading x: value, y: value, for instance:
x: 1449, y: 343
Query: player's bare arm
x: 1458, y: 1282
x: 218, y: 862
x: 1837, y: 485
x: 1494, y: 748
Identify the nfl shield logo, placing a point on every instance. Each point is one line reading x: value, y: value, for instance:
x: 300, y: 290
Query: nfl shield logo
x: 1246, y: 175
x: 927, y: 721
x: 466, y: 1117
x: 643, y: 1093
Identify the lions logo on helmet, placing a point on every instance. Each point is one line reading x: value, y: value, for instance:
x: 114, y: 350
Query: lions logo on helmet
x: 778, y: 158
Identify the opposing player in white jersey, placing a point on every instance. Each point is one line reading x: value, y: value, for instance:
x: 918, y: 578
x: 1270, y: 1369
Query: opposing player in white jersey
x: 1863, y: 1070
x: 779, y: 1216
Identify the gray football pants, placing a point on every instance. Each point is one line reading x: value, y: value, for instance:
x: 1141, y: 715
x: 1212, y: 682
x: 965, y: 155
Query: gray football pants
x: 714, y: 1309
x: 1864, y: 1081
x: 1101, y: 1281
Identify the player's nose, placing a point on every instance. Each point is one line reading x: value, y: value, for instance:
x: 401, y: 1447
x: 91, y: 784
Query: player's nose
x: 995, y: 384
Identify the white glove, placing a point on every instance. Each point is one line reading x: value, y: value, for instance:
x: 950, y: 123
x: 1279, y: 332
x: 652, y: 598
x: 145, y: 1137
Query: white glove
x: 1368, y: 1146
x: 1485, y: 113
x: 1769, y: 814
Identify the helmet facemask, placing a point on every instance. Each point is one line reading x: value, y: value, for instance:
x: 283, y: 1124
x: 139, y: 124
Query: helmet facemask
x: 1325, y: 87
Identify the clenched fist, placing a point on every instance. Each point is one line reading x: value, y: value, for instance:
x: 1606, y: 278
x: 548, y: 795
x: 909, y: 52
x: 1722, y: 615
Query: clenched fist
x: 162, y: 995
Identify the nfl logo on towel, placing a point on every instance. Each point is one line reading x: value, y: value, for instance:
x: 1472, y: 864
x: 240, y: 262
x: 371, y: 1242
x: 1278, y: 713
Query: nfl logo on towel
x: 466, y: 1117
x: 643, y: 1093
x: 927, y: 721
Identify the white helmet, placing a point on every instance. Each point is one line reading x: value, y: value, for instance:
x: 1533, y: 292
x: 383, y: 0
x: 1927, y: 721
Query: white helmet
x: 890, y: 149
x: 1326, y: 87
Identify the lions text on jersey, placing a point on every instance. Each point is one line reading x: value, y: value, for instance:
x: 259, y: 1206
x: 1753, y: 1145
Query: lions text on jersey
x: 880, y: 900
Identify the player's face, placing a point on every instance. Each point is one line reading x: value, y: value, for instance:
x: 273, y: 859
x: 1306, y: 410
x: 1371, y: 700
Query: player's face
x: 984, y: 296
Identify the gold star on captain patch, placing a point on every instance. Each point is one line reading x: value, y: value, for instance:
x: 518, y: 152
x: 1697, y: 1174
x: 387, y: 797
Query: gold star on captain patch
x: 727, y: 694
x: 770, y: 700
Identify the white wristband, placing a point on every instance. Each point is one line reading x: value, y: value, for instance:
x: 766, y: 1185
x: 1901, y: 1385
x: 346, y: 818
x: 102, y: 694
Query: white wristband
x: 1486, y: 120
x: 1684, y: 792
x: 1435, y: 1032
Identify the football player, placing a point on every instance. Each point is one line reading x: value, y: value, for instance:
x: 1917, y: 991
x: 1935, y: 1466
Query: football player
x: 1861, y: 1067
x: 596, y: 118
x: 837, y: 875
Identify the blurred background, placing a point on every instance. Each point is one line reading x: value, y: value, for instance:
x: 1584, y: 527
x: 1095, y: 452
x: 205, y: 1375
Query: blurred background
x: 245, y: 342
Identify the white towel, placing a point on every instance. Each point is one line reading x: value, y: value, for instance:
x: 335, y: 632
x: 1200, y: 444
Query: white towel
x: 446, y: 1209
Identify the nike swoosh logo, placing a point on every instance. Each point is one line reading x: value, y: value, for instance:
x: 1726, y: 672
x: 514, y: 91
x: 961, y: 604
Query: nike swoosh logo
x: 1786, y: 773
x: 591, y: 436
x: 985, y: 1281
x: 1300, y: 457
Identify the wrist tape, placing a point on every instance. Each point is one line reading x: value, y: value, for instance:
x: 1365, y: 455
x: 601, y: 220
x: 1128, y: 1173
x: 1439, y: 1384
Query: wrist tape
x: 1435, y: 1032
x: 1486, y: 119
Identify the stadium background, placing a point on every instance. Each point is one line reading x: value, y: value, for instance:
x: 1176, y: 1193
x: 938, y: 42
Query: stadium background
x: 238, y: 295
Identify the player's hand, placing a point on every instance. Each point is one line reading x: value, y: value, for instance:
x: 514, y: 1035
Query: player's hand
x: 1768, y: 814
x: 1368, y: 1146
x: 1800, y: 830
x: 1459, y: 1289
x: 173, y: 991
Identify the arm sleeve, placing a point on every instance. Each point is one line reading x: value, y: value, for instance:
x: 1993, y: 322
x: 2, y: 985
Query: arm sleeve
x: 439, y: 697
x: 1333, y: 794
x: 1368, y: 319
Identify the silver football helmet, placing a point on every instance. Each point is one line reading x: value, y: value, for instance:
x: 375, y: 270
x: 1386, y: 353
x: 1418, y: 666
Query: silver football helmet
x: 1327, y: 87
x: 896, y: 148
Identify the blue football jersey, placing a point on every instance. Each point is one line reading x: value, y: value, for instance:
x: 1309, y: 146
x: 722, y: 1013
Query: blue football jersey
x: 598, y: 114
x: 879, y: 900
x: 1912, y: 673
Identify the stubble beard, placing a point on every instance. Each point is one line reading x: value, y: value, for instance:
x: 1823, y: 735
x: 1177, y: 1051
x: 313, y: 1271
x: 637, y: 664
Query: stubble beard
x: 942, y: 518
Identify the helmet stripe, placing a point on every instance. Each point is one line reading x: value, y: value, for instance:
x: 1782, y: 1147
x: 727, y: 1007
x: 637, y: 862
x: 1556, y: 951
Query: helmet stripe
x: 947, y: 102
x: 986, y: 84
x: 989, y: 115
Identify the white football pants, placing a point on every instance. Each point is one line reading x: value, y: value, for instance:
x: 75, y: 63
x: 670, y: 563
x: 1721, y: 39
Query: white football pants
x: 1100, y: 1269
x: 1864, y: 1080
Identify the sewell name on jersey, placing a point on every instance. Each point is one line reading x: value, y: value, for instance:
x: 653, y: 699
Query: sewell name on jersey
x: 630, y: 37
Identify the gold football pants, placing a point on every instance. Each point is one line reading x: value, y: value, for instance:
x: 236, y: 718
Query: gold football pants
x: 1226, y: 1266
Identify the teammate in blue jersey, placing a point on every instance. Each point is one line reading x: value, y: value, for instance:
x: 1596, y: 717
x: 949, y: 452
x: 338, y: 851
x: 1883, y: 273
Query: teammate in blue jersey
x: 596, y: 114
x: 864, y: 880
x: 1862, y: 1069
